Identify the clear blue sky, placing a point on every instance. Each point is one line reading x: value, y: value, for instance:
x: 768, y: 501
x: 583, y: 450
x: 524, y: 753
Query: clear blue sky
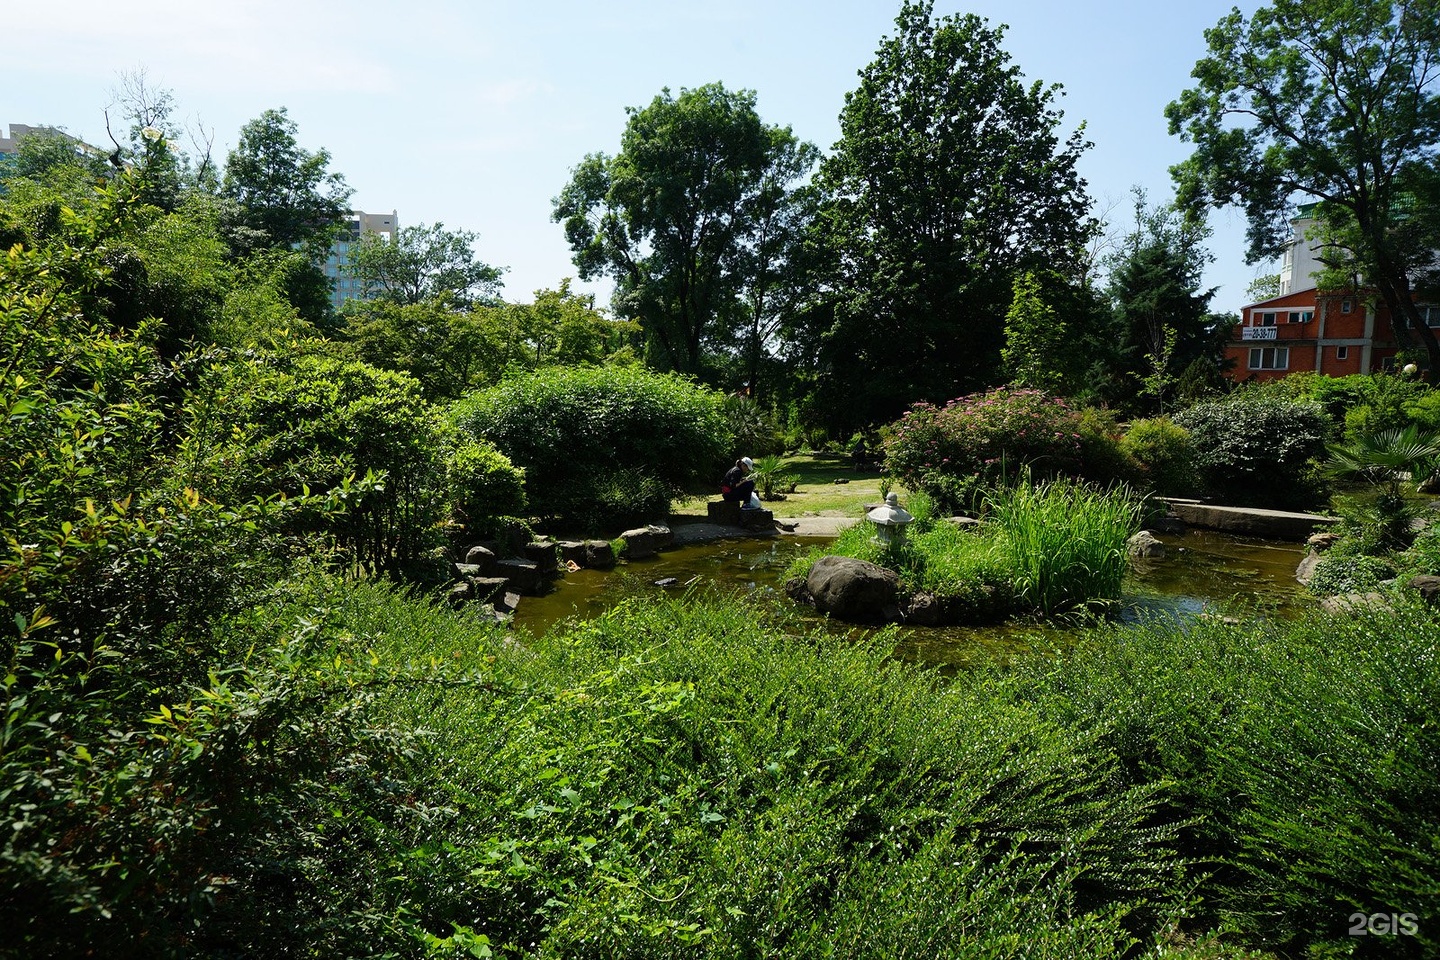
x: 472, y: 112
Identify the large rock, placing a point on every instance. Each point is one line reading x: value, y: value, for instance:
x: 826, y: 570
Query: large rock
x: 646, y: 541
x: 1427, y: 585
x: 1145, y: 545
x: 593, y: 554
x: 1250, y: 521
x: 545, y: 554
x: 1346, y: 604
x: 483, y: 556
x: 853, y: 589
x: 732, y: 514
x: 521, y: 576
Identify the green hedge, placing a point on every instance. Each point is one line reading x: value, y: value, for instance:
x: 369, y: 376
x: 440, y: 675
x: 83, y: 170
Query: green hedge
x: 603, y: 446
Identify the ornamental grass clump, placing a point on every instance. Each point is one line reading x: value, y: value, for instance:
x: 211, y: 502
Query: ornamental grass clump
x: 1047, y: 547
x: 1063, y: 543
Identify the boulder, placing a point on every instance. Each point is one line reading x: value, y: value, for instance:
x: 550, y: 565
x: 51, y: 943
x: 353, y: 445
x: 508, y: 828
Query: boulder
x: 923, y: 610
x: 1305, y: 572
x: 1145, y: 545
x: 1351, y: 603
x: 483, y: 556
x: 545, y: 554
x: 1427, y: 586
x: 520, y: 576
x: 646, y: 541
x: 853, y: 589
x: 732, y: 514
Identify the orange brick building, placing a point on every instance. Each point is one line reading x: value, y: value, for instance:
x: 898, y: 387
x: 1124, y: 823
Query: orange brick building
x: 1331, y: 332
x: 1334, y: 332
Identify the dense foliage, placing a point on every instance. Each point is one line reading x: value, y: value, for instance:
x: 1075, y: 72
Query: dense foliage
x: 603, y: 446
x: 1258, y: 448
x: 953, y: 453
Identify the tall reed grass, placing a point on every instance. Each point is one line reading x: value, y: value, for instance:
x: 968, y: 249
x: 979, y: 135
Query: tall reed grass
x: 1064, y: 543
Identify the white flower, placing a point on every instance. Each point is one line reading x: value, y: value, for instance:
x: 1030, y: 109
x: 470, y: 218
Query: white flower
x: 151, y: 133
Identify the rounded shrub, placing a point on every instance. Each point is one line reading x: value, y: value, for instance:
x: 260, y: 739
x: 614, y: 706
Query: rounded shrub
x: 1163, y: 453
x: 486, y: 485
x: 952, y: 452
x: 602, y: 446
x: 1255, y: 448
x: 282, y: 424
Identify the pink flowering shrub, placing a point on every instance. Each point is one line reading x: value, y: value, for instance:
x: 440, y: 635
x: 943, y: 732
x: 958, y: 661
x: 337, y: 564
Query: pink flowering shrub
x: 953, y: 452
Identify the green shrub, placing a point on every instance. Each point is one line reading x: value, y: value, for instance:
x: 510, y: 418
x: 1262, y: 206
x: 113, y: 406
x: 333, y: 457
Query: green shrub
x: 951, y: 452
x: 1104, y: 459
x: 290, y: 422
x: 1423, y: 555
x: 1301, y: 756
x: 684, y: 779
x: 1257, y: 449
x: 1340, y: 573
x: 485, y: 484
x: 596, y: 441
x: 1164, y: 454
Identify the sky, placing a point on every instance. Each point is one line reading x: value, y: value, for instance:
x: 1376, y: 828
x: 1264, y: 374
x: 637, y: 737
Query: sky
x: 473, y: 112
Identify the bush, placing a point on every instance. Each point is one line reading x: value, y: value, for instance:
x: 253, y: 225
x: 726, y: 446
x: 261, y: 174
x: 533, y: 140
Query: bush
x: 1301, y: 755
x: 1257, y: 449
x: 951, y: 453
x: 485, y: 484
x: 290, y: 422
x: 1164, y: 454
x: 1103, y: 457
x: 1340, y: 573
x: 596, y: 441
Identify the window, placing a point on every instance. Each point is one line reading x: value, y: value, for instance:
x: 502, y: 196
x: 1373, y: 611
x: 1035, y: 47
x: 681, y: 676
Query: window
x: 1301, y: 316
x: 1347, y: 305
x: 1430, y: 314
x: 1269, y: 358
x: 1342, y: 353
x: 1265, y: 319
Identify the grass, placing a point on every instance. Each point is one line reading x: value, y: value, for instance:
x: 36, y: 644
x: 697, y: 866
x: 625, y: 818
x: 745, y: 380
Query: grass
x: 818, y: 494
x: 1047, y: 548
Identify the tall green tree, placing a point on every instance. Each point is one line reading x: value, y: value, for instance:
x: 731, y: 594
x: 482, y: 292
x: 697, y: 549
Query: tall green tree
x: 1332, y: 101
x: 1035, y: 336
x: 677, y: 216
x: 285, y: 196
x: 424, y: 263
x: 949, y: 179
x: 1161, y: 310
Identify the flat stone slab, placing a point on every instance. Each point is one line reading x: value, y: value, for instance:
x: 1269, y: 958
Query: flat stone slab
x: 1251, y: 521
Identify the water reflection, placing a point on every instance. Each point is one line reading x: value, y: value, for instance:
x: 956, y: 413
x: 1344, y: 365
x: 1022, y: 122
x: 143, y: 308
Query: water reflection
x: 1205, y: 572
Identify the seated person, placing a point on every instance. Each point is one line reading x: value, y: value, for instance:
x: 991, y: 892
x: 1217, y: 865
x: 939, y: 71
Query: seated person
x: 735, y: 486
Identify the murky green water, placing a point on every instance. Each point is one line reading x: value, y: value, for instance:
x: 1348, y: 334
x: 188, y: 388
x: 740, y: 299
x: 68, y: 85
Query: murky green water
x: 1204, y: 572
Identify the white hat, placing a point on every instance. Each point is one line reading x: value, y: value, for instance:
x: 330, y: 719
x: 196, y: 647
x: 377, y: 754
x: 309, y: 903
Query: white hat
x: 749, y: 464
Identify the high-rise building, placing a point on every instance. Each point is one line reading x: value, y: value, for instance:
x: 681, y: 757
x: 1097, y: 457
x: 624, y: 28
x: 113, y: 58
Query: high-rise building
x: 358, y: 224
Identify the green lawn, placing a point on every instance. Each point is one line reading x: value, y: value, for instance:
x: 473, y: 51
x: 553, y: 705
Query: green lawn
x: 818, y: 493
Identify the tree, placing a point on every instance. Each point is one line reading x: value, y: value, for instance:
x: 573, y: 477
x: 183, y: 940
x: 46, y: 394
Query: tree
x: 948, y: 180
x: 424, y: 263
x: 285, y: 196
x: 1161, y: 312
x: 677, y: 216
x: 1332, y: 101
x: 1035, y: 336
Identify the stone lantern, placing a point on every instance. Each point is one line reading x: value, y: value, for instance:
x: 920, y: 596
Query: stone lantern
x: 890, y: 521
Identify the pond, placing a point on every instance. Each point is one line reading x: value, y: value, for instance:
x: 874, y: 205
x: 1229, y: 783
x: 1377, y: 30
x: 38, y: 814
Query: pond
x: 1204, y: 572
